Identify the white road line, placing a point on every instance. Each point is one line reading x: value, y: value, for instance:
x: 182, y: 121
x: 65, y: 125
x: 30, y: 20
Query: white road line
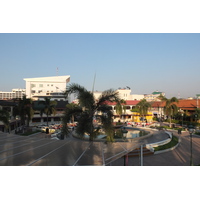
x: 26, y: 150
x: 10, y: 142
x: 9, y: 137
x: 122, y: 152
x: 82, y: 154
x: 102, y: 150
x: 122, y: 147
x: 116, y: 155
x: 20, y: 145
x: 48, y: 153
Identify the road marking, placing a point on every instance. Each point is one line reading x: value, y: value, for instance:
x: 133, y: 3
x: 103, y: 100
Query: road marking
x: 20, y: 145
x: 48, y: 153
x: 27, y: 150
x: 102, y: 151
x: 82, y: 154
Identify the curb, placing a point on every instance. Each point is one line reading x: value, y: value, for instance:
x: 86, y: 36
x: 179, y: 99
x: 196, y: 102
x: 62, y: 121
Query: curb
x: 170, y: 149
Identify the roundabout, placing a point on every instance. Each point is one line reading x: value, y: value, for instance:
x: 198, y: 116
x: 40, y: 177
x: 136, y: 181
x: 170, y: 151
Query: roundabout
x: 37, y: 150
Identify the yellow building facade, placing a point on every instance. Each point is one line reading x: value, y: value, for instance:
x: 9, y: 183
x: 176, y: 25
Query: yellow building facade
x: 136, y: 117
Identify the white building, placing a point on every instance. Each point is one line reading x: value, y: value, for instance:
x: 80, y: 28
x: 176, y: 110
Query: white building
x: 15, y: 94
x: 124, y: 94
x: 154, y: 96
x: 52, y: 87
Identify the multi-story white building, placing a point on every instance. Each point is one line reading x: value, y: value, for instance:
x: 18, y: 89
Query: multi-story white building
x: 53, y: 87
x: 124, y: 94
x: 154, y: 96
x: 15, y: 94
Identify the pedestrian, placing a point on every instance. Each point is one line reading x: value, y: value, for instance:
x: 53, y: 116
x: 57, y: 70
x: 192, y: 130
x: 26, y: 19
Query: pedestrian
x: 47, y: 130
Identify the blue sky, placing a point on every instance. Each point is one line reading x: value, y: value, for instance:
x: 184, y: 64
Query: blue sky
x: 144, y: 62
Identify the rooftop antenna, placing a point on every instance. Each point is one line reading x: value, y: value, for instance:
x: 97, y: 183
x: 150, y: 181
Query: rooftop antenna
x: 94, y: 82
x: 57, y: 71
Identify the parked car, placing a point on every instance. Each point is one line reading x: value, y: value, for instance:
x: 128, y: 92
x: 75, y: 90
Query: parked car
x: 51, y: 130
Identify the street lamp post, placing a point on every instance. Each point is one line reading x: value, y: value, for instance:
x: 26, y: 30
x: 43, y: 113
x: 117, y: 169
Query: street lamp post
x: 182, y: 114
x: 191, y: 131
x: 182, y: 119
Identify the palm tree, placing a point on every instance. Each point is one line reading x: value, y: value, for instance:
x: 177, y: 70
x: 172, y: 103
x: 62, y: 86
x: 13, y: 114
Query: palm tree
x: 24, y: 110
x: 48, y: 107
x: 196, y: 114
x: 170, y: 108
x: 72, y: 107
x: 121, y: 107
x: 70, y: 111
x: 4, y: 117
x: 88, y: 108
x: 143, y: 107
x: 107, y: 124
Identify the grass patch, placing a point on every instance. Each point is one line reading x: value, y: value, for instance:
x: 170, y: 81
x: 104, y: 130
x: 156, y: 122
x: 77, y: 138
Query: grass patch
x: 30, y: 133
x: 169, y: 145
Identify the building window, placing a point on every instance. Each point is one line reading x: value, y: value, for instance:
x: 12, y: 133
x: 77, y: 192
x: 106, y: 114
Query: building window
x: 40, y: 85
x: 33, y: 85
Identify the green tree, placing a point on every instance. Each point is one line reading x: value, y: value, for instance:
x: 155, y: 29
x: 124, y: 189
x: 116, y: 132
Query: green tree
x: 143, y: 107
x: 49, y: 108
x: 4, y: 117
x: 196, y: 115
x: 24, y: 109
x: 107, y: 123
x: 170, y: 108
x: 71, y: 111
x: 120, y: 107
x: 89, y: 108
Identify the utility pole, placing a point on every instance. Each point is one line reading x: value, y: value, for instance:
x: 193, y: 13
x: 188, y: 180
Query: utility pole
x: 57, y: 71
x: 141, y: 155
x: 197, y: 101
x: 94, y: 82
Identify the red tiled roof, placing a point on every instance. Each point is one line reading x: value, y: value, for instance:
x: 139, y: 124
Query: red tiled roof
x: 158, y: 104
x: 185, y: 104
x: 188, y: 104
x: 128, y: 103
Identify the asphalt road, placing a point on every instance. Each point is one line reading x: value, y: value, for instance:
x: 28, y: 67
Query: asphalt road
x: 37, y: 150
x: 181, y: 156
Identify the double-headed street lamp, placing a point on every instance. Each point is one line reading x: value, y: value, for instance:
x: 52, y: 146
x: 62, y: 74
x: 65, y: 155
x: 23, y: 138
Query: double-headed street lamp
x: 191, y: 131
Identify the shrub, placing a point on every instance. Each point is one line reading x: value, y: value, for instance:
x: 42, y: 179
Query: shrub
x: 118, y: 134
x: 169, y: 145
x: 118, y: 123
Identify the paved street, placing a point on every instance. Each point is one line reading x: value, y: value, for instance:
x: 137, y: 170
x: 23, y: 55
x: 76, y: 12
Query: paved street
x: 177, y: 157
x: 37, y: 150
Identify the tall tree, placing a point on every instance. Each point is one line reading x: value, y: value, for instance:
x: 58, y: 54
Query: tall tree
x: 71, y: 111
x: 4, y: 117
x: 120, y: 107
x: 196, y: 115
x: 143, y: 107
x: 170, y: 108
x: 25, y: 110
x: 49, y: 108
x: 107, y: 123
x: 89, y: 107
